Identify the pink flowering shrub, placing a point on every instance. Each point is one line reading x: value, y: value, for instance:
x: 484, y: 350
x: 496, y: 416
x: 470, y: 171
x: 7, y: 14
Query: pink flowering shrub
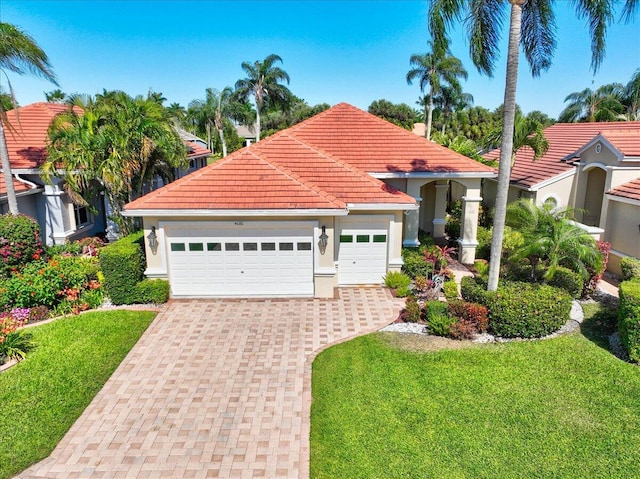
x: 20, y: 243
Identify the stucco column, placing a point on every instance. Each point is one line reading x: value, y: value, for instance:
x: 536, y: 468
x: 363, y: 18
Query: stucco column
x: 412, y: 217
x: 468, y: 234
x: 440, y: 213
x: 56, y: 214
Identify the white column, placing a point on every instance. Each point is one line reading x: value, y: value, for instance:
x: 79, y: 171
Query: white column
x: 412, y: 217
x: 56, y: 214
x: 440, y: 212
x: 469, y: 227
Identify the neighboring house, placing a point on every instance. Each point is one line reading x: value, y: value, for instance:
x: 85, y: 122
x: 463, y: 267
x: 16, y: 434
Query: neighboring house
x: 592, y: 167
x: 248, y: 133
x: 59, y: 218
x: 325, y: 203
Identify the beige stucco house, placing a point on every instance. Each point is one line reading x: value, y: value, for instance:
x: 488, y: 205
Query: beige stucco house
x: 592, y: 167
x: 326, y: 203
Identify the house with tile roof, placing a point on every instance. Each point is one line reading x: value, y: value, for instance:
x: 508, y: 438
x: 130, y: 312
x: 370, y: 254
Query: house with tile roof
x: 325, y: 203
x: 593, y: 168
x: 60, y: 219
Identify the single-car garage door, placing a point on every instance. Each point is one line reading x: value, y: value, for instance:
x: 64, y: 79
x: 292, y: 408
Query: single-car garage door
x: 362, y: 251
x: 240, y: 259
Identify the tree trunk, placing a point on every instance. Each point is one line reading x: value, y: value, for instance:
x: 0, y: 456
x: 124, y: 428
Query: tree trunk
x: 8, y: 176
x: 430, y: 113
x: 257, y: 122
x: 506, y: 148
x: 224, y: 143
x: 209, y: 141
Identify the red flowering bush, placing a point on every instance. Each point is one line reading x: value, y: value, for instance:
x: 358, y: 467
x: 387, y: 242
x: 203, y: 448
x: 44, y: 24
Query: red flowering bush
x: 20, y: 243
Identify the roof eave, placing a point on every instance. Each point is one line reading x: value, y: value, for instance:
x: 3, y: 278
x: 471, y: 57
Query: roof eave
x: 165, y: 213
x: 381, y: 206
x: 429, y: 174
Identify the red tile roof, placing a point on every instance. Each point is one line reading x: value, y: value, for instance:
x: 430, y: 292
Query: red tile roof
x: 27, y: 139
x: 318, y: 164
x: 630, y: 191
x: 18, y: 186
x: 564, y: 140
x: 625, y: 141
x: 376, y: 146
x: 195, y: 150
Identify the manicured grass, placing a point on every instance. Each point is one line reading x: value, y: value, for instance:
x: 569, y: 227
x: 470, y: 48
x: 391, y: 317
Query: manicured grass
x: 41, y: 397
x: 562, y: 408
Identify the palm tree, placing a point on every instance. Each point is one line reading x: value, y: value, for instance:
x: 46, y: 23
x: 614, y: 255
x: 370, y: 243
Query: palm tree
x: 602, y: 104
x: 632, y: 97
x: 435, y: 70
x: 551, y: 240
x: 114, y: 147
x: 532, y: 25
x: 55, y: 96
x: 177, y: 112
x: 263, y: 82
x: 19, y: 53
x: 528, y: 133
x: 450, y: 100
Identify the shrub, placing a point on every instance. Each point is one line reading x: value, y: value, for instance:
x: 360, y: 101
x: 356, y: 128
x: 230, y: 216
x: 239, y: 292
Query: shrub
x: 411, y: 312
x: 483, y: 250
x: 568, y: 280
x: 473, y: 290
x: 462, y: 329
x: 93, y: 298
x: 481, y: 266
x: 597, y: 269
x: 527, y: 310
x: 38, y: 313
x: 630, y: 267
x: 450, y: 289
x: 396, y: 280
x: 20, y: 243
x: 629, y: 318
x: 152, y: 291
x: 475, y: 314
x: 437, y: 318
x: 403, y: 291
x: 122, y: 264
x: 414, y: 262
x: 43, y: 283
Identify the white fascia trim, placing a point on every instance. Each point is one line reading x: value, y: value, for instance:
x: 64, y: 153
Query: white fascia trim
x: 630, y: 158
x: 621, y: 199
x: 551, y: 181
x: 426, y: 174
x: 235, y: 213
x: 600, y: 138
x: 26, y: 171
x: 381, y: 206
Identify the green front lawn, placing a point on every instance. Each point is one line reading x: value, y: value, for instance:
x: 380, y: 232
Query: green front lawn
x: 41, y: 397
x: 562, y: 408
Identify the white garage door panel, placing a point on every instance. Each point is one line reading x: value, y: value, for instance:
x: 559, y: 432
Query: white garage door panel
x: 241, y: 261
x: 362, y: 251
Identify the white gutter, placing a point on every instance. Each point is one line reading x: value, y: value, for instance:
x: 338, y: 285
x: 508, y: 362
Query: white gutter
x: 381, y: 206
x: 622, y: 199
x: 235, y: 212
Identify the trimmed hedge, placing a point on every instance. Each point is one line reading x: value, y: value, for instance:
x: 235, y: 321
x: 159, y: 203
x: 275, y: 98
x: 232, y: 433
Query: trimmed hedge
x: 152, y: 291
x: 123, y: 264
x: 520, y: 310
x: 629, y: 318
x: 630, y: 267
x: 450, y: 289
x: 568, y: 280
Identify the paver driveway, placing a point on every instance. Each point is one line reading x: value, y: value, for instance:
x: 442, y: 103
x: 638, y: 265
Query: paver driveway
x: 215, y: 388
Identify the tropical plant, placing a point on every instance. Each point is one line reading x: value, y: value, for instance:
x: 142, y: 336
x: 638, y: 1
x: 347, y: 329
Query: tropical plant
x: 55, y: 96
x: 602, y: 104
x: 115, y: 146
x: 264, y: 83
x: 528, y: 133
x: 177, y: 112
x: 399, y: 114
x: 632, y: 97
x: 19, y: 53
x: 532, y: 25
x: 448, y: 101
x: 551, y: 240
x: 435, y: 70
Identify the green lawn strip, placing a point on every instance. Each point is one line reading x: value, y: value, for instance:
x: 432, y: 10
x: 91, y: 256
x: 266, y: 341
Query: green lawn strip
x: 41, y: 397
x: 555, y: 408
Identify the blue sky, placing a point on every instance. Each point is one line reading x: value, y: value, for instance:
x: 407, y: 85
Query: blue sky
x: 334, y: 51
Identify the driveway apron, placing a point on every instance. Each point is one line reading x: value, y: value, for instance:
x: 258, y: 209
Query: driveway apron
x: 215, y: 388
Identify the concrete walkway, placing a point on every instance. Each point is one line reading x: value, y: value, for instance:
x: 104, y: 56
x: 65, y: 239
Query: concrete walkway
x: 215, y: 388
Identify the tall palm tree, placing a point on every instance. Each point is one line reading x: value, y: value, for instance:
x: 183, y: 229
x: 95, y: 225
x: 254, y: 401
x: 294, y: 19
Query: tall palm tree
x: 435, y: 70
x: 532, y: 26
x: 264, y: 82
x: 177, y: 112
x: 602, y: 104
x: 632, y: 97
x: 19, y: 53
x: 450, y: 100
x: 528, y: 133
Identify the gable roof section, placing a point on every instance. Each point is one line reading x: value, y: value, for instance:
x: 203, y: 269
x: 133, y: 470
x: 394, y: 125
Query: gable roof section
x: 376, y: 146
x: 626, y: 141
x: 628, y: 191
x: 27, y: 139
x: 565, y: 139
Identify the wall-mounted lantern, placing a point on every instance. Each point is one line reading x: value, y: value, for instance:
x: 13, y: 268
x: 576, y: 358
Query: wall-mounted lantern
x: 324, y: 240
x: 153, y: 240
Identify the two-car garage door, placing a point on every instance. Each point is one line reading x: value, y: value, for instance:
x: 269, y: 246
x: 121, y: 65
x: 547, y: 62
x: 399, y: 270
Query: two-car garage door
x: 241, y: 259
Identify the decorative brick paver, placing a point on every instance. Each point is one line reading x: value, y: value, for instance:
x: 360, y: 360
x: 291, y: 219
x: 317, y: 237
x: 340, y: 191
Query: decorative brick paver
x: 215, y: 388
